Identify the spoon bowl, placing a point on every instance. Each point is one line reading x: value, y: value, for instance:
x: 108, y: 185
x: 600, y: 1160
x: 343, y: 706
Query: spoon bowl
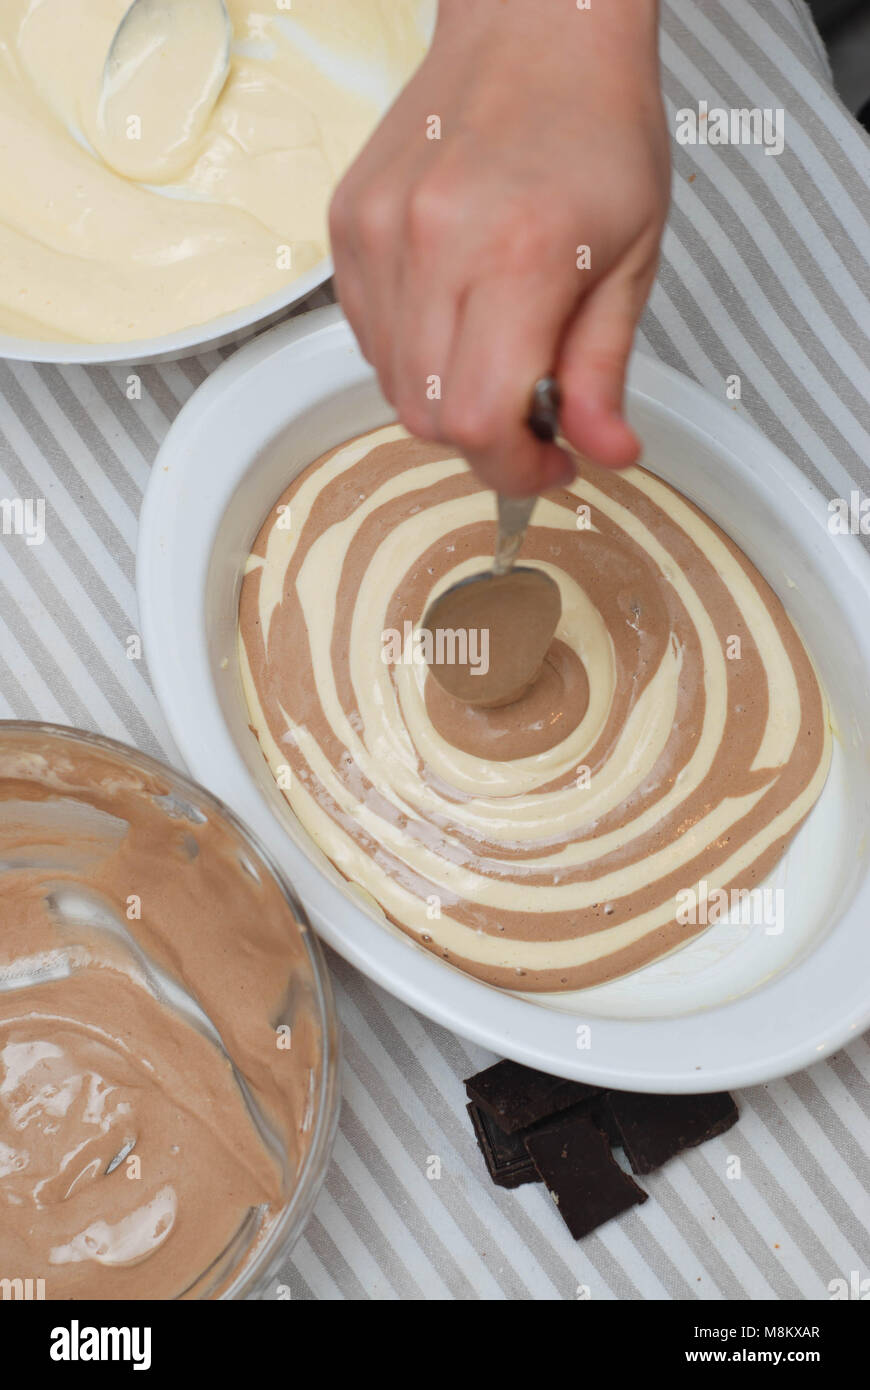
x: 164, y: 72
x: 490, y: 633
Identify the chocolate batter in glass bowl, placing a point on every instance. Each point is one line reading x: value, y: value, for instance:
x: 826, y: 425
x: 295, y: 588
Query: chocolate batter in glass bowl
x: 168, y: 1040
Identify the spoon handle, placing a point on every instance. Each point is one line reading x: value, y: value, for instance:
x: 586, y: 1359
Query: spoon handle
x: 543, y: 418
x: 514, y: 515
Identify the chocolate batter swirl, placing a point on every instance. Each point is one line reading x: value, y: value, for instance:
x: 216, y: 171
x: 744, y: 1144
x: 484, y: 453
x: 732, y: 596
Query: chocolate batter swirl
x: 678, y: 737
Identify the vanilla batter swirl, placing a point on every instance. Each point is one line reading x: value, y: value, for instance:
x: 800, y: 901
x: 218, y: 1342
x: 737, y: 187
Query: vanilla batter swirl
x: 678, y: 736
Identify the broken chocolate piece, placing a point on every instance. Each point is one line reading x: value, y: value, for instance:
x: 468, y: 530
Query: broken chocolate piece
x: 506, y: 1156
x: 653, y: 1129
x: 574, y: 1160
x: 517, y: 1097
x: 600, y: 1113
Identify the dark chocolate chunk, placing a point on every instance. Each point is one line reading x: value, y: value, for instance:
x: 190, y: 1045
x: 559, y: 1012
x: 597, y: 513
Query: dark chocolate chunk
x: 653, y: 1129
x: 574, y: 1160
x: 517, y: 1097
x: 600, y: 1113
x: 506, y: 1156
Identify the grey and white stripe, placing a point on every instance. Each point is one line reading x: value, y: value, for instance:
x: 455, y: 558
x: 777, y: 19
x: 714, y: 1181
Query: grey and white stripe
x: 766, y: 273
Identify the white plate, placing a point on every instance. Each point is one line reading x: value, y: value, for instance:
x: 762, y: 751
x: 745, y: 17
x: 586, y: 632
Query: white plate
x: 733, y: 1007
x: 170, y: 347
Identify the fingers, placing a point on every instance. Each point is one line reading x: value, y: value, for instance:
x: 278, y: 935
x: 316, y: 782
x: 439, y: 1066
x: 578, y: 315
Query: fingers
x: 592, y: 366
x: 349, y: 280
x: 457, y: 351
x: 396, y: 281
x: 504, y: 343
x: 461, y: 366
x: 348, y: 288
x: 365, y: 227
x: 458, y: 364
x: 427, y: 310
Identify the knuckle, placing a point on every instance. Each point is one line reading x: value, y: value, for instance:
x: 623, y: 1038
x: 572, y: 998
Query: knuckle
x: 431, y: 212
x: 374, y: 217
x: 524, y: 243
x: 608, y: 361
x: 598, y: 378
x: 467, y: 427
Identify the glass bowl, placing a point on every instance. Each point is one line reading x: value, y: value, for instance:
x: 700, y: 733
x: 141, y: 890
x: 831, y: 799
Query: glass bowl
x: 73, y: 802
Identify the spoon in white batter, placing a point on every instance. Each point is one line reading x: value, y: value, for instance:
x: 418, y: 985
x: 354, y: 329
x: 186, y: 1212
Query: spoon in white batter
x: 165, y: 70
x: 507, y: 617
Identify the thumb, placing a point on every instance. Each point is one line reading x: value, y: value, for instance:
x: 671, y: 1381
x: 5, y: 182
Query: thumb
x: 591, y: 373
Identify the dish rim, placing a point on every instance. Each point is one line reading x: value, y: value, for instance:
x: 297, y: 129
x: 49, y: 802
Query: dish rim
x: 171, y: 347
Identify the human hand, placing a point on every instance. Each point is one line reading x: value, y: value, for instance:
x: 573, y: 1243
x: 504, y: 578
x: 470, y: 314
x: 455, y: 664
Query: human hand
x: 457, y: 258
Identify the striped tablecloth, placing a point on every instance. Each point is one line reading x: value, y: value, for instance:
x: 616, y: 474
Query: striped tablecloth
x: 766, y: 274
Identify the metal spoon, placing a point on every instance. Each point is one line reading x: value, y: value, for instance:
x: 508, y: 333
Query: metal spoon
x: 512, y: 611
x: 164, y: 72
x: 102, y: 921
